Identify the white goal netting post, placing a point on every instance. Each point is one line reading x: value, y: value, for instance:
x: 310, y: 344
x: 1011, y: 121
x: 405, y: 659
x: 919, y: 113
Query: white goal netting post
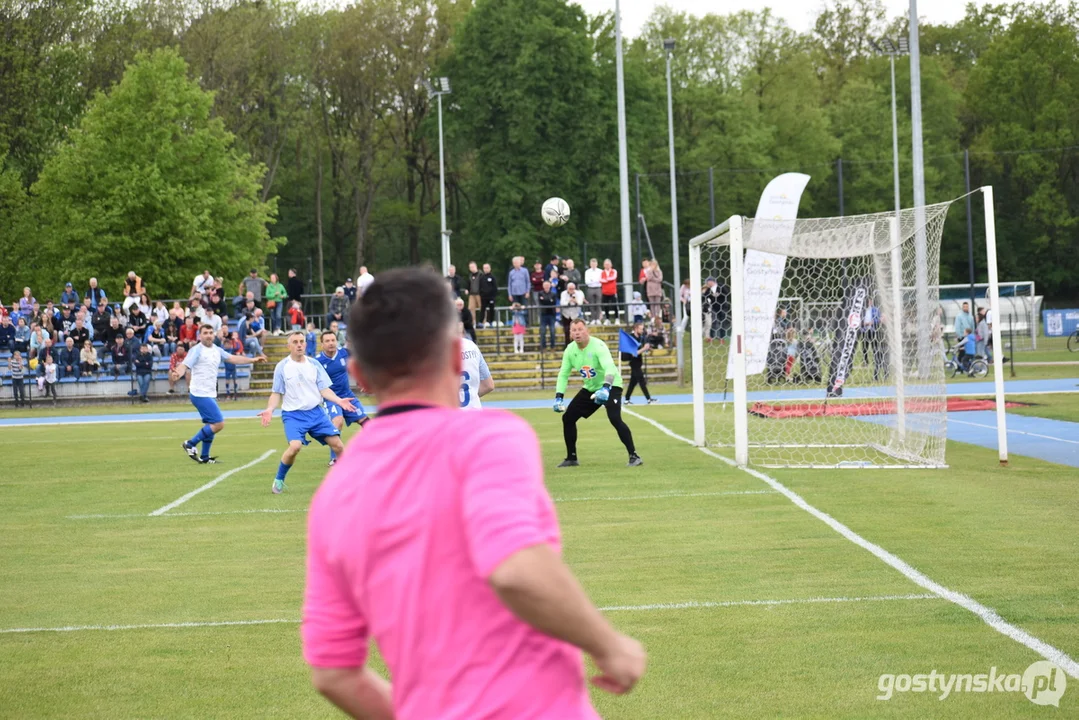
x: 807, y: 347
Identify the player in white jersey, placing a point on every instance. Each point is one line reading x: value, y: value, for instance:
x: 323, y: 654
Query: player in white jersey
x: 476, y: 380
x: 203, y: 361
x: 300, y: 384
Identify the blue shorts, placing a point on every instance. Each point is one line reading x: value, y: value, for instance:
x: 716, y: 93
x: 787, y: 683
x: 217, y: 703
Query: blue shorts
x: 208, y: 409
x: 350, y: 417
x: 314, y: 422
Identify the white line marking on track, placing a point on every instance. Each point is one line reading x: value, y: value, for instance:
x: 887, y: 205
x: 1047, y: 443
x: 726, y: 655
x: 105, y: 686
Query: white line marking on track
x: 610, y: 608
x: 987, y: 615
x: 1014, y: 432
x: 277, y: 511
x: 180, y: 501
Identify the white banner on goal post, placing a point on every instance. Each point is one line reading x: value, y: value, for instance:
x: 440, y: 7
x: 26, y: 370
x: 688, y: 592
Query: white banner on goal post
x: 763, y: 272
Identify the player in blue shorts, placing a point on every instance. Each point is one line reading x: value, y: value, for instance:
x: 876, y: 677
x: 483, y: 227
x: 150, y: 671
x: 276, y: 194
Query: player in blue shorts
x: 202, y: 361
x: 335, y: 361
x: 300, y: 385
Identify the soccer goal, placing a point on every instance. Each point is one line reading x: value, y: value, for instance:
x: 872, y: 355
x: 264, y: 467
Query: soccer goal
x: 837, y: 340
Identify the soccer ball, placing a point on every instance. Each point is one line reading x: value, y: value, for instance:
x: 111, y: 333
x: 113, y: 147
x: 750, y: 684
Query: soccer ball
x: 555, y: 212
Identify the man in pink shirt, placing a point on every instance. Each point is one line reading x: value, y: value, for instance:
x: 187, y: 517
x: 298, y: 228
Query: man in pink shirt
x: 435, y: 536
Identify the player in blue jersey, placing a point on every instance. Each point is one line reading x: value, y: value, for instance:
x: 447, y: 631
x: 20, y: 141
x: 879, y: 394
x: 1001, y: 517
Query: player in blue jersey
x: 335, y: 361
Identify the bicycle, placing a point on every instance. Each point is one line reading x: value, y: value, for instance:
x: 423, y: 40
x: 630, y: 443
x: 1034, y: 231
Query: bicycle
x: 977, y: 366
x: 1073, y: 342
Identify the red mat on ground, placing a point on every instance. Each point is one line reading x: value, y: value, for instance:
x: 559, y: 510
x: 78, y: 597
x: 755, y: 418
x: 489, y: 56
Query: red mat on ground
x: 879, y: 407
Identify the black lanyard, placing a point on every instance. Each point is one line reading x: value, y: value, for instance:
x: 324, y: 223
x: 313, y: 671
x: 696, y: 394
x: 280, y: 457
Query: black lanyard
x: 401, y: 409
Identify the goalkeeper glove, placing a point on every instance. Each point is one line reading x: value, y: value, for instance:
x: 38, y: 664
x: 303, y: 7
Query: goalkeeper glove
x: 602, y: 395
x: 558, y: 404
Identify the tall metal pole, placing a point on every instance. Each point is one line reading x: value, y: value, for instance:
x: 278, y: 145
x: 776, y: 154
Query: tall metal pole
x: 711, y: 199
x: 921, y: 252
x: 674, y: 196
x: 895, y: 151
x: 970, y: 229
x: 623, y: 162
x: 442, y: 192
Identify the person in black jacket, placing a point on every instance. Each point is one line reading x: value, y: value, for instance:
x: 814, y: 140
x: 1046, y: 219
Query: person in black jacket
x: 548, y: 302
x: 121, y: 356
x: 636, y: 365
x: 67, y: 360
x: 294, y: 287
x: 716, y: 301
x: 144, y: 371
x: 488, y: 294
x: 466, y: 318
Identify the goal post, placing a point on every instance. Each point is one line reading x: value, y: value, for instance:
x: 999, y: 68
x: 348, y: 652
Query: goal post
x: 819, y: 342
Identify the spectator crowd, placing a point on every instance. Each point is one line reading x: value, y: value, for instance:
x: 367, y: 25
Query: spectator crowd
x: 90, y: 333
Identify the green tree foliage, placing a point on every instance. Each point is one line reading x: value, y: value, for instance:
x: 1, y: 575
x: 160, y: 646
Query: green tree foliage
x: 528, y: 105
x: 148, y: 181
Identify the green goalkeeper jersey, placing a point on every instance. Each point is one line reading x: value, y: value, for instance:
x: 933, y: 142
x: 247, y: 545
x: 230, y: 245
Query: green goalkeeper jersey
x: 594, y: 364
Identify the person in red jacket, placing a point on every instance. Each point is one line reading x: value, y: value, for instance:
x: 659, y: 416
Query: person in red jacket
x: 608, y: 279
x: 295, y: 316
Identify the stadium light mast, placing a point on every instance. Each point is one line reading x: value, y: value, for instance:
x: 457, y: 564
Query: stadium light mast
x: 442, y: 89
x: 669, y: 45
x: 891, y: 49
x: 921, y: 251
x: 623, y: 162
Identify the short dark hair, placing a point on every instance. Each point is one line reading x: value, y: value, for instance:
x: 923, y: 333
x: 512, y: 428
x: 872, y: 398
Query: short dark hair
x: 327, y: 332
x: 400, y: 328
x: 576, y: 320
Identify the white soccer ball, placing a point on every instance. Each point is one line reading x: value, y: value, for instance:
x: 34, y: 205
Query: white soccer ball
x: 555, y: 212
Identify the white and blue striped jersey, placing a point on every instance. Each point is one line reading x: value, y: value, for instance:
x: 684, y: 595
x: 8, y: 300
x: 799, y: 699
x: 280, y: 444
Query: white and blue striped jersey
x: 337, y: 368
x: 473, y: 370
x: 300, y: 384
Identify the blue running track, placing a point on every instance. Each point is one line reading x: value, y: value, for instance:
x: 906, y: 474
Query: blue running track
x: 1056, y: 441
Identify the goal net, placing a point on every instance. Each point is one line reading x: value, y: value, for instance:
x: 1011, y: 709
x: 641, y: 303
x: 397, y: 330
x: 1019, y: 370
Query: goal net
x: 842, y: 338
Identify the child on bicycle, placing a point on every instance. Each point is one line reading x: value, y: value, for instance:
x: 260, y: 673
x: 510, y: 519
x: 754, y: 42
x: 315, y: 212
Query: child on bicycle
x: 967, y: 350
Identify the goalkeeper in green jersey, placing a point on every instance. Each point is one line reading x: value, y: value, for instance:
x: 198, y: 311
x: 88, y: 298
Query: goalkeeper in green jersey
x: 591, y: 358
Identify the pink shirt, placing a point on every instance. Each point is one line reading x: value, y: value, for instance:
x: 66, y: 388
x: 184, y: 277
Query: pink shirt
x: 402, y: 536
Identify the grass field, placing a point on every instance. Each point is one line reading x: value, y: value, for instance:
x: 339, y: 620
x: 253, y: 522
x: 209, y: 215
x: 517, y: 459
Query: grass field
x: 782, y: 615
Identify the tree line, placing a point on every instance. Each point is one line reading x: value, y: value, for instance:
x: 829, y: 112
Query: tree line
x: 172, y: 135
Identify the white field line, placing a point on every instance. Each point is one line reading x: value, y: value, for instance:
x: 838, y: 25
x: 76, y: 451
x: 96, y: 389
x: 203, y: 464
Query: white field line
x: 611, y: 608
x: 275, y: 511
x: 1014, y: 432
x: 180, y: 501
x: 767, y: 603
x: 662, y: 496
x: 987, y: 615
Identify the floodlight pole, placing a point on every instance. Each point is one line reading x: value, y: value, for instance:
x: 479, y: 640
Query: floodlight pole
x: 921, y: 249
x: 895, y: 146
x: 442, y: 192
x: 623, y: 162
x: 669, y: 45
x: 676, y: 251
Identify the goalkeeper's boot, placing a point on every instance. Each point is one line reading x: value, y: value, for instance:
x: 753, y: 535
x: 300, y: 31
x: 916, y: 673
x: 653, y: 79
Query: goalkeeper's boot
x: 278, y: 486
x: 634, y: 460
x: 569, y: 462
